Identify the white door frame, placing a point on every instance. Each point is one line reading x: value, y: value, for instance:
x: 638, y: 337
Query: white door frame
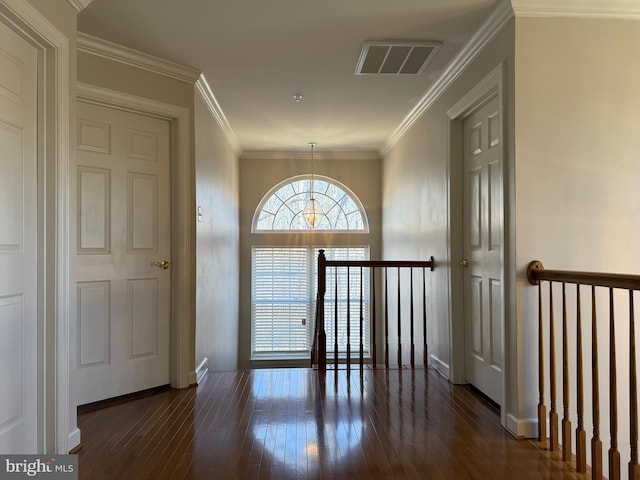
x: 54, y: 248
x: 182, y: 217
x: 489, y: 87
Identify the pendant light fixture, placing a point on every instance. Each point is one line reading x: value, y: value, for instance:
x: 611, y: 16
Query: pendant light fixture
x: 312, y: 212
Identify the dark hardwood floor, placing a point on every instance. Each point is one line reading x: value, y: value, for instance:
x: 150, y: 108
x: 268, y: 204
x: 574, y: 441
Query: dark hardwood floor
x: 293, y: 423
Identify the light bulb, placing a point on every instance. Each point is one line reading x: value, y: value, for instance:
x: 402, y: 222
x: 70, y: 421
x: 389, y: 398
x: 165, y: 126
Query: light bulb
x: 312, y: 213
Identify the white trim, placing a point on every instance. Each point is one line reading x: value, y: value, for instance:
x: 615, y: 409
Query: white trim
x: 182, y: 221
x: 65, y: 247
x: 79, y: 5
x: 49, y: 38
x: 202, y: 369
x: 203, y: 88
x: 527, y: 428
x: 73, y: 440
x: 487, y: 31
x: 134, y: 58
x: 609, y: 9
x: 318, y: 155
x: 454, y: 245
x: 484, y: 91
x: 440, y: 366
x: 489, y: 87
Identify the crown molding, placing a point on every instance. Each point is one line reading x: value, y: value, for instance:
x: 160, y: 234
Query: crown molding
x: 213, y: 106
x: 620, y: 9
x: 487, y: 31
x: 305, y: 155
x: 134, y: 58
x: 79, y: 5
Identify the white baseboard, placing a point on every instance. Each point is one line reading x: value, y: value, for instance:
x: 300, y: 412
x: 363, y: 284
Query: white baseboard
x: 202, y: 369
x: 526, y: 428
x: 74, y: 439
x: 440, y: 366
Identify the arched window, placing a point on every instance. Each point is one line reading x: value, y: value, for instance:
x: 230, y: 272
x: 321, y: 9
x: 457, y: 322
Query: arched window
x: 283, y: 278
x: 282, y: 207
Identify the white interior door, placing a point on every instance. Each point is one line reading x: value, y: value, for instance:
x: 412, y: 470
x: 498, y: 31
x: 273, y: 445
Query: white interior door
x: 123, y: 236
x: 482, y: 240
x: 18, y: 244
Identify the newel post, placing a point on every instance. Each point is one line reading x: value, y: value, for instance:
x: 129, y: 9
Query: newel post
x: 322, y: 288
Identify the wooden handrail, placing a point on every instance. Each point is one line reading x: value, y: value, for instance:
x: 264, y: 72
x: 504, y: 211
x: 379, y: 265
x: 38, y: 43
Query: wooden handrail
x: 536, y: 273
x: 382, y: 263
x: 319, y: 340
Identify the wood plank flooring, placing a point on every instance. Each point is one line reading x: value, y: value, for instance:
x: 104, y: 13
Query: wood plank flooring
x: 299, y: 424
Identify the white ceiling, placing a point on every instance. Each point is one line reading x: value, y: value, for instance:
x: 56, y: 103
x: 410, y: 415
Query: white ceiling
x: 255, y: 54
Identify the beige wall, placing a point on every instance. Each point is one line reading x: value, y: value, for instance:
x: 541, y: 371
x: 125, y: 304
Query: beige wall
x: 60, y: 13
x: 577, y: 175
x: 217, y: 280
x: 259, y: 175
x: 117, y: 76
x: 416, y: 201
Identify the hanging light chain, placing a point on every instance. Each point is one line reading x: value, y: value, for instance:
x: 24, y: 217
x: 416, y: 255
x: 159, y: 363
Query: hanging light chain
x: 311, y: 213
x: 312, y: 145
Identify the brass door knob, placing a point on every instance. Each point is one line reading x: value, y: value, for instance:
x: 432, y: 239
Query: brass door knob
x: 164, y: 264
x: 464, y: 263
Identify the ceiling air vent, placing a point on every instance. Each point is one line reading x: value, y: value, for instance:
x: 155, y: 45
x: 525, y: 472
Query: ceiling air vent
x: 395, y: 58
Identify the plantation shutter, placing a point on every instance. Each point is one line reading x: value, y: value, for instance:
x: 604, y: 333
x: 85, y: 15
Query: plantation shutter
x: 284, y: 287
x: 281, y: 278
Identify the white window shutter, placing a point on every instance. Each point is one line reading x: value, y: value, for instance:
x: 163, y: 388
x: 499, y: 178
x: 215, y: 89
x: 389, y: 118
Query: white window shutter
x: 280, y: 300
x: 284, y: 287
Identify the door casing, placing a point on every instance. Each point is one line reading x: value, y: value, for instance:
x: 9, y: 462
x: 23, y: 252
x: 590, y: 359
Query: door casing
x: 182, y: 219
x: 55, y: 425
x: 492, y: 85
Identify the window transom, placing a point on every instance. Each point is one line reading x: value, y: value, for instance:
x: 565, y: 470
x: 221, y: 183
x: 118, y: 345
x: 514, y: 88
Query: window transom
x: 283, y: 207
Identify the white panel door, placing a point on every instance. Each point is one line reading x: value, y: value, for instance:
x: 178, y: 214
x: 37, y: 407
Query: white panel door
x: 123, y: 236
x: 18, y: 244
x: 482, y: 238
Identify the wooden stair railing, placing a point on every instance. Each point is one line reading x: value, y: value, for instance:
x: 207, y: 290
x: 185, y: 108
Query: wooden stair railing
x: 537, y: 274
x: 319, y: 346
x: 316, y: 355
